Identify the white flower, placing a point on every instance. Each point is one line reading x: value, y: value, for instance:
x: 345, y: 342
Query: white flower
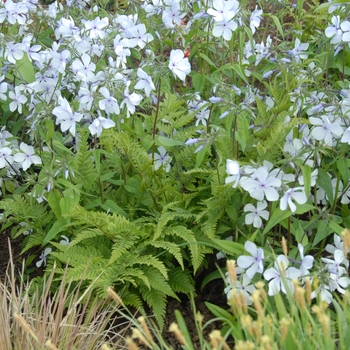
x: 324, y: 291
x: 297, y: 194
x: 3, y: 89
x: 145, y: 82
x: 306, y: 261
x: 17, y: 99
x: 333, y: 31
x: 95, y: 27
x: 162, y: 159
x: 64, y: 240
x: 84, y: 68
x: 130, y: 100
x: 243, y: 287
x: 65, y: 116
x: 43, y: 257
x: 232, y: 168
x: 345, y: 26
x: 6, y: 157
x: 223, y: 8
x: 254, y: 262
x: 99, y: 124
x: 172, y: 14
x: 140, y: 37
x: 27, y: 158
x: 334, y: 266
x: 298, y: 51
x: 338, y: 244
x: 225, y: 27
x: 274, y: 275
x: 255, y: 19
x: 14, y: 52
x: 178, y: 64
x: 255, y: 215
x: 262, y: 185
x: 326, y: 130
x: 109, y: 104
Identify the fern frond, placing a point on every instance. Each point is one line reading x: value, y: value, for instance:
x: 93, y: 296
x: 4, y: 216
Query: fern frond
x: 154, y: 262
x: 171, y: 248
x: 181, y: 281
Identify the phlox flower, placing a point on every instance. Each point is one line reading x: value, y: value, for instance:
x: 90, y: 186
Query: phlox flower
x: 6, y: 157
x: 297, y: 194
x: 43, y: 257
x: 255, y: 19
x: 64, y: 240
x: 340, y: 282
x: 255, y: 214
x: 26, y: 157
x: 334, y: 265
x: 60, y: 59
x: 130, y: 100
x: 232, y: 169
x: 334, y: 31
x: 96, y: 26
x: 345, y: 26
x: 325, y: 130
x: 298, y: 51
x: 99, y: 124
x: 109, y: 104
x: 172, y: 14
x: 145, y: 82
x: 345, y: 138
x: 3, y: 88
x: 223, y: 8
x: 274, y: 275
x: 225, y: 27
x: 14, y: 52
x: 242, y: 286
x: 66, y: 117
x: 254, y: 263
x: 162, y: 159
x: 179, y: 64
x: 306, y: 261
x: 139, y: 36
x: 17, y: 99
x: 338, y: 244
x: 262, y: 185
x: 84, y: 68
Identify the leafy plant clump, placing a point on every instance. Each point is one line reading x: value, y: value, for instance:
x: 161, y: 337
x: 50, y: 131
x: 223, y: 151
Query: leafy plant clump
x: 138, y: 138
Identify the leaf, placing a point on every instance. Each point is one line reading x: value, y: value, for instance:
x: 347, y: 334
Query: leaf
x: 198, y: 81
x: 212, y: 276
x: 232, y: 248
x: 59, y: 226
x: 54, y: 197
x: 168, y: 142
x: 114, y: 208
x: 238, y: 69
x: 278, y: 25
x: 184, y: 331
x: 343, y: 167
x: 25, y: 68
x: 277, y: 216
x: 325, y: 182
x: 219, y: 312
x: 206, y: 58
x: 306, y: 170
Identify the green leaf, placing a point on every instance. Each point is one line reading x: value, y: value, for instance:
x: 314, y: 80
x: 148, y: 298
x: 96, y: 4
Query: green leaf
x: 306, y: 170
x: 114, y: 208
x: 323, y: 231
x: 182, y: 325
x: 277, y: 216
x: 53, y: 198
x: 240, y: 71
x: 206, y: 58
x: 167, y: 142
x: 219, y: 312
x: 200, y: 156
x: 278, y: 25
x: 343, y: 165
x: 212, y: 276
x: 229, y: 247
x: 25, y: 68
x: 198, y: 81
x: 335, y: 227
x: 325, y: 182
x: 59, y: 226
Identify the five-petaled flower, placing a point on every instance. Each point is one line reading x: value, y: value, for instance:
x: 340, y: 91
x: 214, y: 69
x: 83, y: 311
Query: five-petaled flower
x: 179, y: 64
x: 27, y: 156
x: 254, y: 263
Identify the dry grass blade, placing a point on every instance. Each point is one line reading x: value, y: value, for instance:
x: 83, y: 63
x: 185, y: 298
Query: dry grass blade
x: 35, y: 319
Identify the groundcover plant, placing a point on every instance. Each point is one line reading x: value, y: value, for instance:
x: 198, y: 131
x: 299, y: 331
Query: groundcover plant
x: 140, y: 138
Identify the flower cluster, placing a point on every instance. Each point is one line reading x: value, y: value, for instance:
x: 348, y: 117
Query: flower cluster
x: 282, y: 277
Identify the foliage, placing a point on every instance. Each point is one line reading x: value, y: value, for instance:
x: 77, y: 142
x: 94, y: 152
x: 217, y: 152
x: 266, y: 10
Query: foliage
x: 139, y: 138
